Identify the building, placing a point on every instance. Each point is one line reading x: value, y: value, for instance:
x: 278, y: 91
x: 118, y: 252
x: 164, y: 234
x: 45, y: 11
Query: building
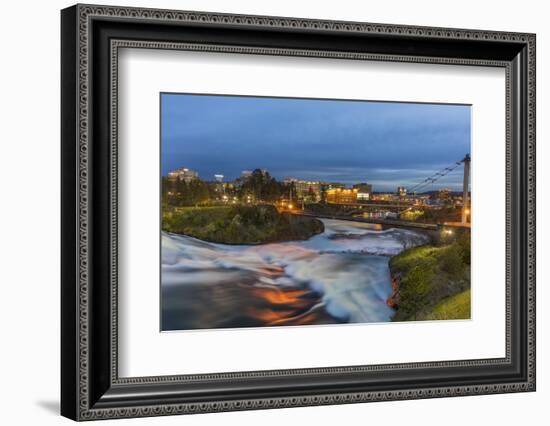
x: 444, y: 195
x: 384, y: 196
x: 325, y: 186
x: 308, y: 190
x: 364, y: 191
x: 245, y: 174
x: 363, y: 195
x: 184, y: 174
x: 332, y: 185
x: 422, y: 200
x: 219, y: 184
x: 342, y: 196
x: 401, y: 191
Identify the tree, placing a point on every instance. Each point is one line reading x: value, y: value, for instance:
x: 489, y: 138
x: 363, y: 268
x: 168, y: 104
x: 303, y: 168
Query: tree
x: 198, y: 192
x: 261, y: 187
x: 289, y: 191
x: 311, y: 195
x: 178, y: 192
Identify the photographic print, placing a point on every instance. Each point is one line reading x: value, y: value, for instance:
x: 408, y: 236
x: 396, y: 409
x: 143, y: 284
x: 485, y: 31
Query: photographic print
x: 294, y: 211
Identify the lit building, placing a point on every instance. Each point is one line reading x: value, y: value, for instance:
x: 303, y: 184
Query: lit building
x: 384, y: 196
x: 401, y: 191
x: 342, y: 196
x: 219, y: 185
x: 332, y: 185
x: 308, y: 190
x: 183, y: 174
x: 363, y: 191
x: 444, y: 194
x: 363, y: 196
x: 245, y: 174
x: 325, y: 186
x: 422, y: 200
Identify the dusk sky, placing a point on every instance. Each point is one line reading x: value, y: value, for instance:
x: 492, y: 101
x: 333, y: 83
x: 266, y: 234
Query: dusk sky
x: 382, y: 143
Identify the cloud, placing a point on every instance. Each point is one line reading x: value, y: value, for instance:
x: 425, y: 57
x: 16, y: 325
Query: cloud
x: 383, y: 143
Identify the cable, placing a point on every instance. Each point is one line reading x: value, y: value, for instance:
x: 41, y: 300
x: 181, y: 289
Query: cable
x: 435, y: 177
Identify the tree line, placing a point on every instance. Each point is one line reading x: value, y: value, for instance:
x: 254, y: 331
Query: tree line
x: 260, y: 186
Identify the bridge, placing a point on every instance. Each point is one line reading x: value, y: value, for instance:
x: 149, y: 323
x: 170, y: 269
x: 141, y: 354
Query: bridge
x: 422, y: 185
x: 384, y: 223
x: 430, y: 180
x: 436, y: 232
x: 397, y: 206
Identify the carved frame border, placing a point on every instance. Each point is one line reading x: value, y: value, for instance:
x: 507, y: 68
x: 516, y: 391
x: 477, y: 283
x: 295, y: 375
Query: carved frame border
x: 87, y: 12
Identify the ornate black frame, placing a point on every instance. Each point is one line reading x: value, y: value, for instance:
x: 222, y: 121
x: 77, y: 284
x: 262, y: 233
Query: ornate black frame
x: 91, y: 37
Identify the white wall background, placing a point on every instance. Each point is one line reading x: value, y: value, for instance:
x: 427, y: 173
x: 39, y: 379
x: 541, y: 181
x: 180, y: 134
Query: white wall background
x: 29, y: 211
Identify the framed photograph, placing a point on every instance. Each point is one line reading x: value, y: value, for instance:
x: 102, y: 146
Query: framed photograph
x: 263, y: 212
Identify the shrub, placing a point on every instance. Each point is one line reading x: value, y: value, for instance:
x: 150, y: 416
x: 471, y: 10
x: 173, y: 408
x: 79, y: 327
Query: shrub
x: 450, y: 260
x: 415, y: 291
x: 430, y: 275
x: 464, y: 241
x: 240, y: 224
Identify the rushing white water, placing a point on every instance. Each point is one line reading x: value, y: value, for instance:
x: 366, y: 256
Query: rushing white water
x: 338, y: 276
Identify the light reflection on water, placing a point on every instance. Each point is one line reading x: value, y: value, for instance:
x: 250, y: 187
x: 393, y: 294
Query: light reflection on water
x: 339, y: 276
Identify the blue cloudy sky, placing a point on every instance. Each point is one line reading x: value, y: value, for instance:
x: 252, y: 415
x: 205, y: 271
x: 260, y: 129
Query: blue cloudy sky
x: 383, y: 143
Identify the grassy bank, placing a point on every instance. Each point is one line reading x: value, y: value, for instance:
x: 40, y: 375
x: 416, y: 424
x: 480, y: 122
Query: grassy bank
x: 433, y: 281
x: 240, y: 224
x: 454, y: 307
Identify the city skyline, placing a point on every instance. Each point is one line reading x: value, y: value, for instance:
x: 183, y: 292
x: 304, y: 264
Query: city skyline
x: 316, y: 140
x: 219, y: 178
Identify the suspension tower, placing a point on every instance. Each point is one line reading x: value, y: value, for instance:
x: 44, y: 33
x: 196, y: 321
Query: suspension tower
x: 465, y: 192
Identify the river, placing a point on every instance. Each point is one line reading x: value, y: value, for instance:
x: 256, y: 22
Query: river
x: 339, y: 276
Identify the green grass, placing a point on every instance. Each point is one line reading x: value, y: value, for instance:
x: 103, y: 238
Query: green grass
x: 434, y: 281
x: 454, y: 307
x: 406, y: 260
x: 240, y: 224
